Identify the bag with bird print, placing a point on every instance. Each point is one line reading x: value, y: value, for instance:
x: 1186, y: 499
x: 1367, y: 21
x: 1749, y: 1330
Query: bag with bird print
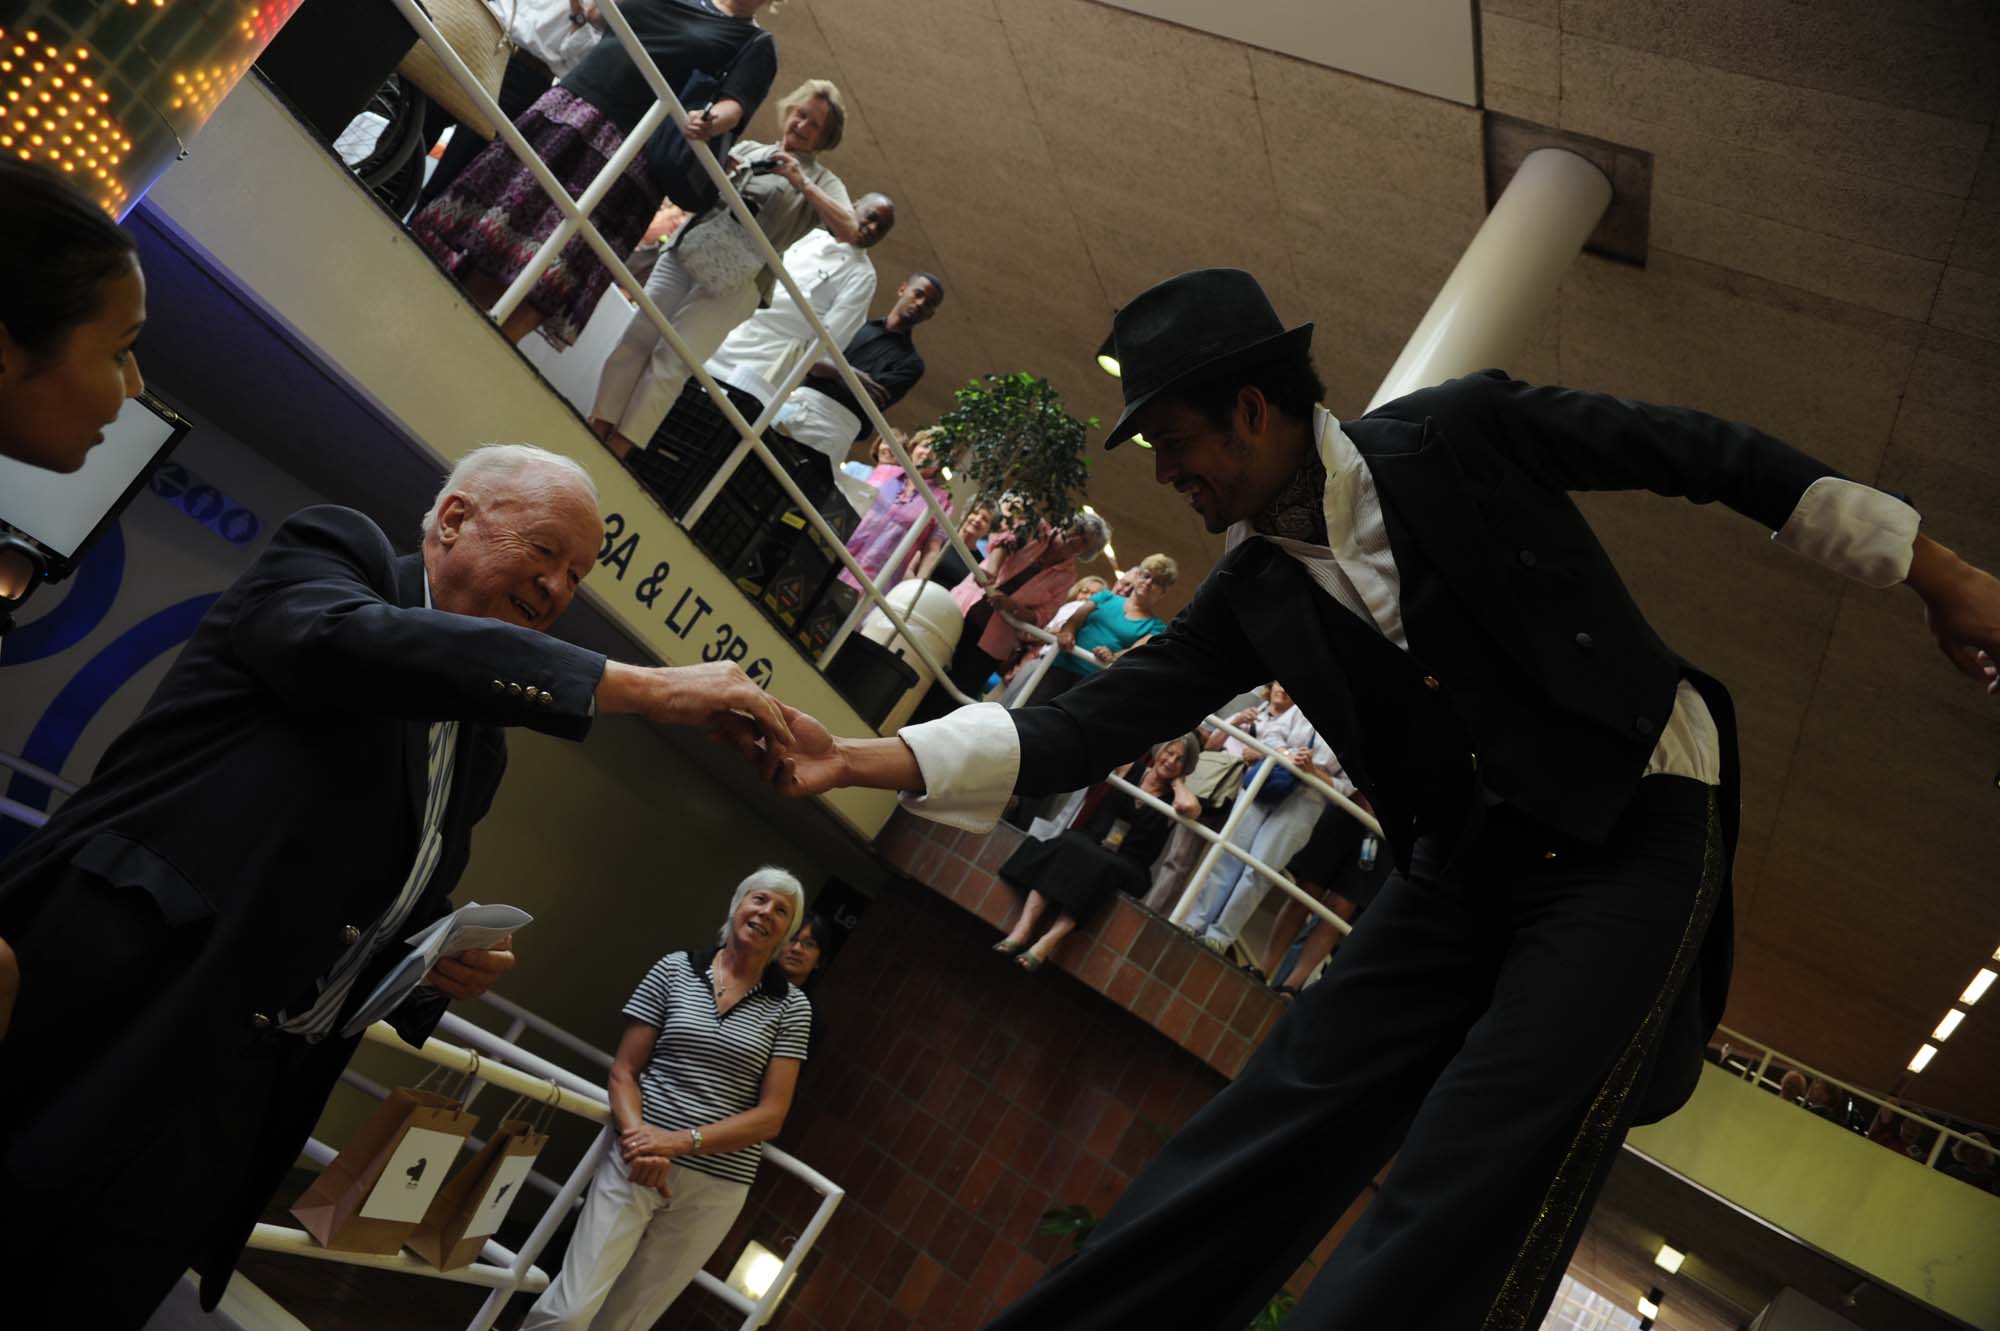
x: 468, y: 1210
x: 372, y: 1195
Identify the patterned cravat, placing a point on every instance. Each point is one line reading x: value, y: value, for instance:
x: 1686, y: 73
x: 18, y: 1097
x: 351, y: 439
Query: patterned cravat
x: 1298, y: 512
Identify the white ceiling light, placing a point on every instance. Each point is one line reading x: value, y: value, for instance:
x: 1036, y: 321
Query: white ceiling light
x: 1648, y: 1308
x: 1974, y: 991
x: 1948, y: 1025
x: 1669, y: 1258
x: 1923, y: 1058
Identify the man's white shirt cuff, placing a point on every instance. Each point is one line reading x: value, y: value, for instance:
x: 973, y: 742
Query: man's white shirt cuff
x: 1853, y: 529
x: 970, y: 761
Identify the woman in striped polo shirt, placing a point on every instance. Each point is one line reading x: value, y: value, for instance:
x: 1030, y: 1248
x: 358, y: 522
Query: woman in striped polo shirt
x: 704, y: 1076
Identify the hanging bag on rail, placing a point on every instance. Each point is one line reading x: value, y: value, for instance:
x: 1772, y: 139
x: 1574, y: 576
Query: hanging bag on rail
x: 479, y: 39
x: 469, y: 1208
x: 371, y: 1196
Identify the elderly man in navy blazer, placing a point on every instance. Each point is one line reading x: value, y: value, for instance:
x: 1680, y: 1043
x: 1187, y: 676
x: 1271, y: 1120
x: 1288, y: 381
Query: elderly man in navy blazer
x: 1558, y: 788
x: 196, y: 924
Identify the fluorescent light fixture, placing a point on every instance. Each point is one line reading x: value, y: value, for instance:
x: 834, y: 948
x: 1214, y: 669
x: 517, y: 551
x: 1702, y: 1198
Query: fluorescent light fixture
x: 755, y: 1270
x: 1669, y: 1258
x: 1947, y: 1026
x: 1648, y: 1308
x: 1923, y: 1058
x: 1106, y: 361
x: 1996, y: 954
x: 1977, y: 989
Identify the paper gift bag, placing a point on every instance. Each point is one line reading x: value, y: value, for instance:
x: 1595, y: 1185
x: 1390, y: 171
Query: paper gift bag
x: 469, y: 1208
x: 376, y: 1190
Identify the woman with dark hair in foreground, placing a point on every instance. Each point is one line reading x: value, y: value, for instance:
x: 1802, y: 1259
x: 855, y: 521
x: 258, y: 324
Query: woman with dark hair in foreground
x: 72, y: 302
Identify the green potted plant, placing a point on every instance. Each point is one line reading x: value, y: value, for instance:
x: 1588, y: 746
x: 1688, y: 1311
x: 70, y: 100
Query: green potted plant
x: 1015, y: 437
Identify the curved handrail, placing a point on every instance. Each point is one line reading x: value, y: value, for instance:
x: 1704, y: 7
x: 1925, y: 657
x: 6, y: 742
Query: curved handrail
x: 1880, y: 1101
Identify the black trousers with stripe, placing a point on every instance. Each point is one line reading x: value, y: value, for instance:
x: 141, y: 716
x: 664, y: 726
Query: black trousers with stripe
x: 1493, y: 1024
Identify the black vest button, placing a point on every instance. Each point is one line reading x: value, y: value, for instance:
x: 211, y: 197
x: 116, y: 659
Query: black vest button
x: 1643, y: 724
x: 1527, y: 558
x: 1584, y: 642
x: 1431, y: 683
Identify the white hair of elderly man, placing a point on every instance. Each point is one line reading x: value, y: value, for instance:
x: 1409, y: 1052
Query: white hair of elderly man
x: 490, y: 464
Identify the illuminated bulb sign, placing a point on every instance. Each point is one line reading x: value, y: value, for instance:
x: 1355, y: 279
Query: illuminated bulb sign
x: 110, y: 91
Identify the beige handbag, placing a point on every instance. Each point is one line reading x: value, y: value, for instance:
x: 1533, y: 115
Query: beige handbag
x: 476, y: 34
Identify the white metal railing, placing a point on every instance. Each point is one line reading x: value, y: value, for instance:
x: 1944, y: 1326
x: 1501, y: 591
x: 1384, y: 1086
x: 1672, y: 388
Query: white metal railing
x: 40, y: 775
x: 496, y: 1060
x: 23, y: 813
x: 576, y: 223
x: 1758, y: 1073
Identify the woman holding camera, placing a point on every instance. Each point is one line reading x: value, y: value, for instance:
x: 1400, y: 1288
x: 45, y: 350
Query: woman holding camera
x: 710, y: 277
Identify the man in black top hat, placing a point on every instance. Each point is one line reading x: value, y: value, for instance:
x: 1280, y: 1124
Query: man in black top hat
x: 1558, y: 790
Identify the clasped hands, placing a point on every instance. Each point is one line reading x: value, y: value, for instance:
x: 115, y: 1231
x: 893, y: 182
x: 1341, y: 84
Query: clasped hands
x: 650, y: 1152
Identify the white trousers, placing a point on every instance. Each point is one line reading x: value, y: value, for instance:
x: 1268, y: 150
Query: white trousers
x: 642, y: 377
x: 1273, y: 833
x: 634, y: 1251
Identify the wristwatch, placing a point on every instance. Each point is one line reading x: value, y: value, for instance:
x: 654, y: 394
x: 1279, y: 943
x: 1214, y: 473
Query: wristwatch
x: 695, y: 1133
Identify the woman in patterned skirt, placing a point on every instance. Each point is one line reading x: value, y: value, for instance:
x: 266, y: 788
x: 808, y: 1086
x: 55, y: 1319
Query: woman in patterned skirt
x: 495, y: 216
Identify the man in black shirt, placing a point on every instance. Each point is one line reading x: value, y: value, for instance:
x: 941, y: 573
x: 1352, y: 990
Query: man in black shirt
x: 884, y: 357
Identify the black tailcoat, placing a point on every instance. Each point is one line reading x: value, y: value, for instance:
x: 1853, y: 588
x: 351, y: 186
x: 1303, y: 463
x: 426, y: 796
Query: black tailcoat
x: 1532, y: 676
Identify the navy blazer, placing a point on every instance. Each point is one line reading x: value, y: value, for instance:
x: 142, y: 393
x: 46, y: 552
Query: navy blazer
x: 1474, y: 473
x: 269, y: 797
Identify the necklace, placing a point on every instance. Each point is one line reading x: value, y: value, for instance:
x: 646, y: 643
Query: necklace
x: 716, y: 983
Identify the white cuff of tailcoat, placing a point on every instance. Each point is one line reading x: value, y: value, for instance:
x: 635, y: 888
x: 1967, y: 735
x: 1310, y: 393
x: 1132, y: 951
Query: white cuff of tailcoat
x: 1853, y: 529
x: 970, y: 761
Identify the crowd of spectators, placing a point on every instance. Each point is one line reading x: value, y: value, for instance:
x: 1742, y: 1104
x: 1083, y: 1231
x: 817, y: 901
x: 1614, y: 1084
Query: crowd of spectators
x: 575, y: 95
x: 1968, y: 1157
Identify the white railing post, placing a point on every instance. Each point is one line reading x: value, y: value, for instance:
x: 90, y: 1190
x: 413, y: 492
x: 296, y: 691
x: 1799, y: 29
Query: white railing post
x: 544, y: 1230
x: 14, y: 762
x: 1244, y: 799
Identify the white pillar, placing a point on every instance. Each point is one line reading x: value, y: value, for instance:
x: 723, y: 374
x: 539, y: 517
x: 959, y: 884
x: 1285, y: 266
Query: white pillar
x: 1507, y: 275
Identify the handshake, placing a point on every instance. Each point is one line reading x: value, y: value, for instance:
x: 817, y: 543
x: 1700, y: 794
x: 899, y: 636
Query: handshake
x: 789, y: 748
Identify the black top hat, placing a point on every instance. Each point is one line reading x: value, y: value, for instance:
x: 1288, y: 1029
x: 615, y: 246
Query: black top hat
x: 1208, y: 320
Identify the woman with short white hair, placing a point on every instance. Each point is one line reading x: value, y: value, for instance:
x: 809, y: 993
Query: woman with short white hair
x: 703, y: 1077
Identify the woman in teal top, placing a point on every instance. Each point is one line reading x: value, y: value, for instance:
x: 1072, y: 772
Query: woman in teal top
x: 1110, y: 625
